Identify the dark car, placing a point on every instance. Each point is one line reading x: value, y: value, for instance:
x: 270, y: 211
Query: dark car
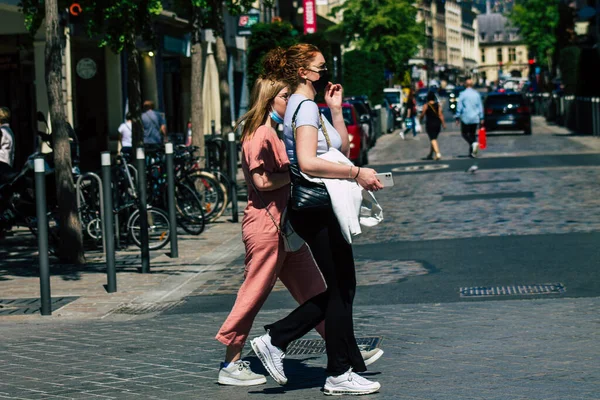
x: 366, y: 116
x: 507, y: 111
x: 358, y: 139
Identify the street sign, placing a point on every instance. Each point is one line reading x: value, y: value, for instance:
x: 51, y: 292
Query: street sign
x: 245, y: 23
x: 310, y: 17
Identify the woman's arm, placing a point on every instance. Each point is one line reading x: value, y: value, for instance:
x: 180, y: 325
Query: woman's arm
x: 269, y: 181
x: 423, y: 112
x: 334, y: 98
x: 306, y: 152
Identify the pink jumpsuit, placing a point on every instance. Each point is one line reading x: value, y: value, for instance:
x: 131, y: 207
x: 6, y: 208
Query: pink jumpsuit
x: 266, y: 259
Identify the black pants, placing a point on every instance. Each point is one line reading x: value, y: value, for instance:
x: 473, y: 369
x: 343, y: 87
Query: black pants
x: 469, y: 133
x: 321, y: 231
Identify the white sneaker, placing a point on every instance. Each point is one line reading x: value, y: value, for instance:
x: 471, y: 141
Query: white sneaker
x: 401, y: 134
x: 349, y: 384
x: 239, y: 374
x: 271, y: 357
x: 370, y: 356
x: 475, y: 149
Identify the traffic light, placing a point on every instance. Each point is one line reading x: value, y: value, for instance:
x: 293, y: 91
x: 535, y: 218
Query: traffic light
x: 531, y: 61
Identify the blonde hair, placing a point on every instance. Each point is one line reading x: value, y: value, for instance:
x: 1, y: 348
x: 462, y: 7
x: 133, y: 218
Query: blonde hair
x: 4, y: 115
x: 284, y: 64
x: 263, y: 93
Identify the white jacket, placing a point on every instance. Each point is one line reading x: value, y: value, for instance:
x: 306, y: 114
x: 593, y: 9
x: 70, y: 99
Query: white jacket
x: 352, y: 205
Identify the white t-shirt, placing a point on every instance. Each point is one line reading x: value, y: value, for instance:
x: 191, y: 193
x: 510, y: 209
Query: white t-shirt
x: 7, y: 145
x: 307, y: 115
x: 125, y: 131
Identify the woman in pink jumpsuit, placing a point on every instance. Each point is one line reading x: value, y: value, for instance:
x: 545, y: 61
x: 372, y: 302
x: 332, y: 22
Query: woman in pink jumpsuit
x: 265, y: 166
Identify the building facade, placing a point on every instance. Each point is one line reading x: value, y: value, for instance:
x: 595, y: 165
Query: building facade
x: 502, y: 52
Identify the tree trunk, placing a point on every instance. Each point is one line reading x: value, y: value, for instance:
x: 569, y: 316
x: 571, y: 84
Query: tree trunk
x: 222, y: 66
x: 71, y: 233
x: 134, y: 93
x: 197, y: 109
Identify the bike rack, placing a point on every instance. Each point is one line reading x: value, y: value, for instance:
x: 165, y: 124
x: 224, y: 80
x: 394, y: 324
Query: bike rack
x: 91, y: 176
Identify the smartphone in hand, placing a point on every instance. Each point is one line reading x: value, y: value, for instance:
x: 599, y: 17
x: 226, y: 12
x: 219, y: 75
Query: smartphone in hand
x: 385, y: 178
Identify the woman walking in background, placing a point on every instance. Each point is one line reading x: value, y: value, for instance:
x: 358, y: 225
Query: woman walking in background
x: 306, y: 136
x: 434, y: 121
x: 265, y: 166
x: 411, y: 114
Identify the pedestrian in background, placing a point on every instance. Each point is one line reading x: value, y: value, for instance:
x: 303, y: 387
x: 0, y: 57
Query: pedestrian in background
x: 411, y: 113
x: 469, y: 114
x: 7, y: 146
x: 155, y: 127
x: 303, y: 67
x: 125, y: 135
x: 434, y: 121
x: 265, y: 166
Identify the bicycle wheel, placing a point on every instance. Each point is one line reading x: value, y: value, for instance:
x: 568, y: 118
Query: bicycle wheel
x: 189, y: 209
x: 210, y: 191
x: 159, y: 233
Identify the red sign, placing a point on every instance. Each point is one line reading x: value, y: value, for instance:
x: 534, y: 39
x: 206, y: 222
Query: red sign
x: 310, y: 16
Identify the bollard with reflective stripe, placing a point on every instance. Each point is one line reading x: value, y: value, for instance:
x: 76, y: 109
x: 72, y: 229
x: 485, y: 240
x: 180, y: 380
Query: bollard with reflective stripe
x: 142, y: 199
x: 232, y: 157
x: 107, y: 224
x: 42, y: 234
x: 171, y: 199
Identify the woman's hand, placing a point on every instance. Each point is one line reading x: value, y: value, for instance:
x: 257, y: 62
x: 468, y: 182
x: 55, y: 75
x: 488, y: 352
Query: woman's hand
x: 334, y: 95
x: 367, y: 179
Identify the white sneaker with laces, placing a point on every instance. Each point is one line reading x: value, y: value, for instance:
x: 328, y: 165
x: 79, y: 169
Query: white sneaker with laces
x: 271, y: 357
x: 349, y: 383
x: 370, y: 356
x: 239, y: 374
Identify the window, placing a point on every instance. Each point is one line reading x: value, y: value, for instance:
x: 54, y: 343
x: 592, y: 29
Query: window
x: 483, y: 56
x: 499, y: 54
x: 512, y: 54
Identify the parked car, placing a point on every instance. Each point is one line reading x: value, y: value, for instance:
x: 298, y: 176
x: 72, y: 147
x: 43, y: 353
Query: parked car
x: 505, y: 111
x: 366, y: 116
x: 359, y: 149
x: 395, y: 97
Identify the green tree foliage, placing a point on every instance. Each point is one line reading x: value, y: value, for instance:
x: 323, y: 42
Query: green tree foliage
x: 388, y: 27
x: 537, y: 21
x: 264, y: 38
x: 363, y: 74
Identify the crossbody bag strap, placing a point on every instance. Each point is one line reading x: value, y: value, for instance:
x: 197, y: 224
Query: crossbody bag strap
x: 320, y: 118
x: 264, y: 204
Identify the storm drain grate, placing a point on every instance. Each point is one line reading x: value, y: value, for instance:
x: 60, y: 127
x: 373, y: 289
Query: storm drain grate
x: 31, y: 305
x: 140, y: 309
x: 317, y: 346
x: 515, y: 290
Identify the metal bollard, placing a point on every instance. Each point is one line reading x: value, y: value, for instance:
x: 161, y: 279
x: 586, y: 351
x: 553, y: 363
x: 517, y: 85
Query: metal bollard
x: 171, y: 199
x: 42, y: 226
x: 107, y: 224
x: 213, y: 132
x: 142, y: 197
x: 232, y: 157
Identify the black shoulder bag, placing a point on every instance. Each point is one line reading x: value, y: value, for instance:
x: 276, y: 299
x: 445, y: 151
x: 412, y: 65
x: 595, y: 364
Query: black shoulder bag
x: 307, y: 195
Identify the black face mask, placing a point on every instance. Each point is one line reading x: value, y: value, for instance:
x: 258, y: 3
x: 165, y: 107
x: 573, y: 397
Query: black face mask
x: 322, y: 82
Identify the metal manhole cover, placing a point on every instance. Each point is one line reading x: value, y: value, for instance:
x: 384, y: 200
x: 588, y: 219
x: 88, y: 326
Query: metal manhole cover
x: 421, y: 168
x: 140, y: 309
x: 514, y: 290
